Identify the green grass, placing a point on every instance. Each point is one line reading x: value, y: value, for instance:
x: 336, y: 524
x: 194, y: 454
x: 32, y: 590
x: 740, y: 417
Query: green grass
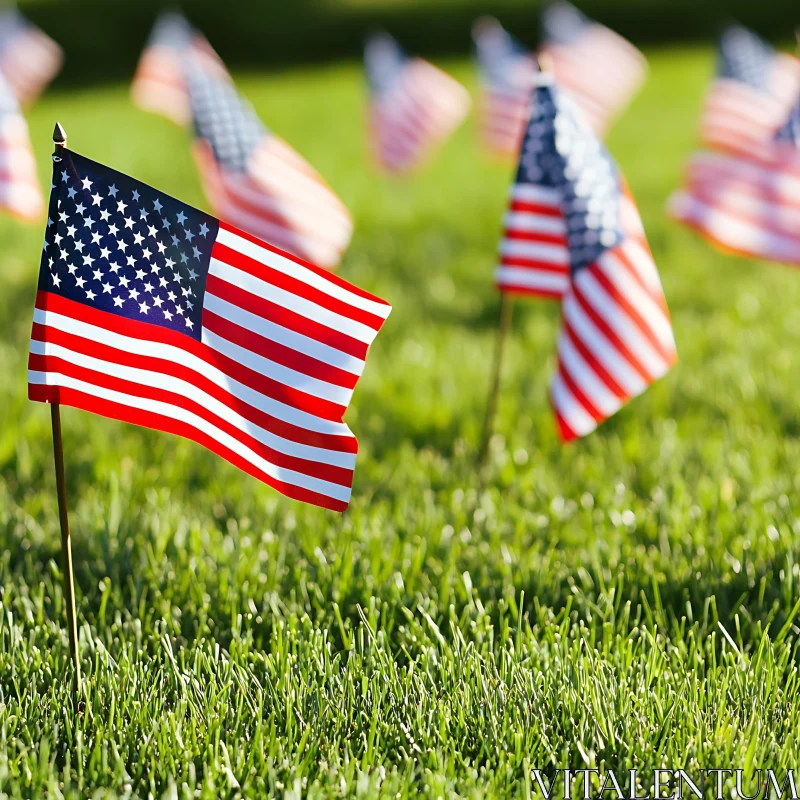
x: 627, y: 601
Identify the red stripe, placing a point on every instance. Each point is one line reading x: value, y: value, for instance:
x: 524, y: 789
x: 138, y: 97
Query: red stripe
x: 273, y: 312
x: 147, y: 419
x: 272, y: 276
x: 536, y: 208
x: 656, y: 296
x: 579, y: 395
x: 535, y: 236
x: 324, y: 273
x: 156, y: 333
x: 514, y: 288
x: 564, y: 431
x: 534, y: 265
x: 599, y: 370
x: 286, y: 430
x: 316, y: 469
x: 279, y: 353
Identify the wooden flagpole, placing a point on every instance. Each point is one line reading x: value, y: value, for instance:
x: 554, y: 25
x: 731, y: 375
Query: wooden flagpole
x: 60, y: 141
x: 506, y: 309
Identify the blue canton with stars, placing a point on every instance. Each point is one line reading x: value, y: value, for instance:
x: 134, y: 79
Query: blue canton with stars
x: 789, y: 132
x: 562, y: 23
x: 561, y: 152
x: 120, y: 246
x: 744, y: 57
x: 384, y: 60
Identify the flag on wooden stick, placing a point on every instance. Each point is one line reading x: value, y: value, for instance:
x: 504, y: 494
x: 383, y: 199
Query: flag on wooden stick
x: 29, y: 58
x: 599, y: 68
x: 155, y: 313
x: 578, y: 228
x: 413, y: 107
x: 256, y: 181
x: 506, y: 72
x: 160, y: 83
x: 20, y: 193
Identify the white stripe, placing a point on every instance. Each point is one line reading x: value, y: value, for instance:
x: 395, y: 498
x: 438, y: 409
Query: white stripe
x: 168, y: 383
x: 531, y: 222
x: 532, y: 279
x: 285, y: 336
x: 198, y: 423
x: 587, y: 379
x: 629, y: 380
x: 540, y: 251
x: 643, y: 264
x: 568, y: 407
x: 536, y: 194
x: 143, y: 347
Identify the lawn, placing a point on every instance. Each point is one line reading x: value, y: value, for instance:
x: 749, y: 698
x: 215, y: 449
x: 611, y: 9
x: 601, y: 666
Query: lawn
x: 626, y: 601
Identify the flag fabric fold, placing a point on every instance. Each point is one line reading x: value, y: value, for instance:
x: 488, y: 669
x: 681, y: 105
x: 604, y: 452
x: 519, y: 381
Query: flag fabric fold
x: 506, y: 71
x: 20, y: 193
x: 256, y: 181
x: 578, y: 236
x: 413, y: 106
x: 596, y: 66
x: 160, y: 85
x: 29, y: 58
x: 155, y: 313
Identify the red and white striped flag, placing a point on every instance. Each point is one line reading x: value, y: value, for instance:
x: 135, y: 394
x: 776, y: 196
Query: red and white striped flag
x: 152, y: 312
x: 751, y: 95
x: 413, y: 108
x: 256, y: 181
x: 160, y: 83
x: 597, y: 67
x: 747, y: 203
x: 29, y: 58
x: 20, y: 192
x: 586, y: 245
x: 506, y: 74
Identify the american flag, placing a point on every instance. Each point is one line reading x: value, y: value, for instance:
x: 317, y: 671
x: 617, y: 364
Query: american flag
x: 616, y: 336
x: 752, y: 93
x: 19, y: 183
x: 256, y: 181
x: 160, y: 84
x: 506, y: 71
x: 155, y: 313
x: 29, y: 58
x: 414, y: 106
x: 597, y: 67
x: 747, y: 203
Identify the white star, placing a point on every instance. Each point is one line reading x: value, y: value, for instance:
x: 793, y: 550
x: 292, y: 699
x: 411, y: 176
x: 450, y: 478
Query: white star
x: 118, y: 301
x: 88, y: 222
x: 157, y: 301
x: 152, y: 231
x: 189, y: 323
x: 112, y: 229
x: 112, y: 190
x: 128, y: 222
x: 62, y: 254
x: 80, y: 281
x: 64, y: 177
x: 79, y: 245
x: 96, y: 237
x: 107, y: 288
x: 104, y: 253
x: 123, y: 281
x: 71, y: 231
x: 175, y: 240
x: 184, y: 258
x: 181, y: 218
x: 170, y: 263
x: 189, y: 235
x: 135, y: 196
x: 87, y: 184
x: 167, y: 223
x: 157, y: 206
x: 122, y: 244
x: 138, y: 238
x: 142, y: 214
x: 62, y: 217
x: 56, y: 279
x: 51, y: 263
x: 192, y: 274
x: 96, y: 199
x: 162, y: 282
x: 87, y: 261
x: 49, y: 222
x: 121, y: 206
x: 176, y: 276
x: 58, y: 238
x: 203, y: 229
x: 144, y: 308
x: 171, y: 296
x: 146, y: 253
x: 148, y: 288
x: 139, y: 274
x: 168, y: 315
x: 80, y: 208
x: 185, y: 292
x: 98, y: 274
x: 161, y: 247
x: 104, y: 215
x: 71, y: 192
x: 190, y: 304
x: 154, y: 267
x: 131, y: 261
x: 179, y: 309
x: 115, y: 268
x: 133, y: 294
x: 71, y: 268
x: 196, y: 253
x: 90, y: 294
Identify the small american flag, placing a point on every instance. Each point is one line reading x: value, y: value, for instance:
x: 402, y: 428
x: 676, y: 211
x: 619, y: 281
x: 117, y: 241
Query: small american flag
x: 256, y: 181
x: 506, y: 74
x: 597, y: 67
x: 160, y: 85
x: 747, y: 203
x: 616, y: 336
x: 19, y: 183
x: 155, y: 313
x: 414, y: 106
x: 29, y: 58
x: 752, y: 93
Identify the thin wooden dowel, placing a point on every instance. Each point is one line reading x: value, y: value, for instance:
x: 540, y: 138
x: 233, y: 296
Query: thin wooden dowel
x: 506, y: 308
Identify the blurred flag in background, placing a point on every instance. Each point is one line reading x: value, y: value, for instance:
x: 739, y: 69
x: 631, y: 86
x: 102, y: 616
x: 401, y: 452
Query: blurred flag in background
x: 29, y: 58
x: 573, y: 217
x: 20, y: 193
x: 160, y: 85
x: 506, y: 71
x: 413, y: 107
x: 597, y: 67
x: 256, y: 181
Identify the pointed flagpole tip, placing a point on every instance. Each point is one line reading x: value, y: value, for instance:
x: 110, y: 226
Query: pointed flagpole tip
x: 59, y: 134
